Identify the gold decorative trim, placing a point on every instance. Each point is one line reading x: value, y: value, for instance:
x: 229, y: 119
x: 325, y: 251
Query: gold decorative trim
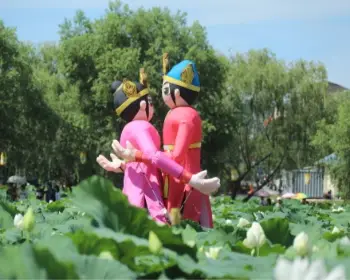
x: 181, y: 83
x: 143, y: 77
x: 165, y: 63
x: 130, y: 100
x: 187, y: 74
x: 129, y: 88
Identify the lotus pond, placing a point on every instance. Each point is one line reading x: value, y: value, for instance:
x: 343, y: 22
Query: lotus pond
x: 95, y: 234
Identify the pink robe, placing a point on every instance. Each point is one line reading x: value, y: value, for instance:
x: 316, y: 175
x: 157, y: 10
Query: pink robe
x: 143, y: 181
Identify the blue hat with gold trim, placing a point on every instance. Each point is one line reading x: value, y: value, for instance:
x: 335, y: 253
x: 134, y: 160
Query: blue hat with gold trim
x: 183, y: 74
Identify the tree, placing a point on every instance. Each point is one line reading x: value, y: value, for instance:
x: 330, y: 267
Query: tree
x: 333, y: 136
x: 260, y: 87
x: 26, y: 121
x: 91, y: 54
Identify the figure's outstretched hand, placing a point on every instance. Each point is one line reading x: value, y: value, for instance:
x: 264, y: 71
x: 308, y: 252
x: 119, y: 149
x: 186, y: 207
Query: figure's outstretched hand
x: 127, y: 154
x: 205, y: 186
x: 112, y: 166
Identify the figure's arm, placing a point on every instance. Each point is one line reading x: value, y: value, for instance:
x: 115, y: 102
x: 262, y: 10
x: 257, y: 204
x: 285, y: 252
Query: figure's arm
x: 183, y: 140
x: 149, y: 153
x: 116, y: 165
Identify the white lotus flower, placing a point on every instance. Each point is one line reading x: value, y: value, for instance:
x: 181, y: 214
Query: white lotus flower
x: 335, y: 230
x: 301, y: 244
x: 301, y: 269
x: 18, y: 221
x: 243, y: 223
x: 213, y: 252
x: 338, y: 210
x: 255, y: 237
x: 228, y: 222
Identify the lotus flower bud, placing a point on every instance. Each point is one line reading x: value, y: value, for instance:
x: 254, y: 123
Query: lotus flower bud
x: 255, y: 237
x: 18, y: 221
x: 243, y: 223
x: 213, y: 252
x: 154, y: 244
x: 301, y: 244
x: 29, y: 220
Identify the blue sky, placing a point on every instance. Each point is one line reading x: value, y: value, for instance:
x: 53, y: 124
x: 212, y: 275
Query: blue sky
x: 309, y: 29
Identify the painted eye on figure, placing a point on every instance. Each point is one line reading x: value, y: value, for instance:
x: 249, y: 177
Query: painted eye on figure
x: 166, y: 89
x: 150, y: 102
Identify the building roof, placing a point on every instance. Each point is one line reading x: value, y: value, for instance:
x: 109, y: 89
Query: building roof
x: 333, y: 87
x: 328, y: 159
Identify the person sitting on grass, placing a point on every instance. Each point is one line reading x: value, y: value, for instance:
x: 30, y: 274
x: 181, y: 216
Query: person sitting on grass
x: 278, y: 203
x: 304, y: 201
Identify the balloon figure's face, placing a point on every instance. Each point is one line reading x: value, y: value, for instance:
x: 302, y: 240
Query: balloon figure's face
x: 167, y: 98
x: 142, y: 113
x: 150, y: 108
x: 166, y: 94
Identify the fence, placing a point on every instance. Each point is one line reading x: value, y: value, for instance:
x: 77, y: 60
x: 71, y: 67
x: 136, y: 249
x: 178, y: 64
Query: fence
x: 309, y: 182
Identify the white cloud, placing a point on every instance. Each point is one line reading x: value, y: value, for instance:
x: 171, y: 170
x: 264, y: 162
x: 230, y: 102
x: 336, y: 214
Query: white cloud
x: 212, y: 12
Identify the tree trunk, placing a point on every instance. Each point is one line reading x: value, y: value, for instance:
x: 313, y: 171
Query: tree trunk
x: 266, y: 181
x: 235, y: 186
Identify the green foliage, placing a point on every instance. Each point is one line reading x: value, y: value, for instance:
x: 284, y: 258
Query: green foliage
x: 125, y: 243
x: 260, y: 86
x: 333, y: 136
x: 56, y: 206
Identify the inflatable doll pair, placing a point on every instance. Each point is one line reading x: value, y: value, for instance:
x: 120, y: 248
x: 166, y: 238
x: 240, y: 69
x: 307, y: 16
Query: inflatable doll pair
x: 182, y: 185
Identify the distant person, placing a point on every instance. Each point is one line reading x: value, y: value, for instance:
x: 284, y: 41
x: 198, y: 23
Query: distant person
x: 329, y: 194
x: 304, y: 201
x: 57, y: 193
x: 39, y: 193
x: 251, y: 189
x: 269, y: 202
x: 279, y: 203
x: 262, y: 201
x: 280, y: 190
x: 50, y: 193
x: 23, y: 194
x: 11, y: 193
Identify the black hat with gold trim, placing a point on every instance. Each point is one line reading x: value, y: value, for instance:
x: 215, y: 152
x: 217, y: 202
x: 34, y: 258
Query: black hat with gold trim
x: 127, y: 96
